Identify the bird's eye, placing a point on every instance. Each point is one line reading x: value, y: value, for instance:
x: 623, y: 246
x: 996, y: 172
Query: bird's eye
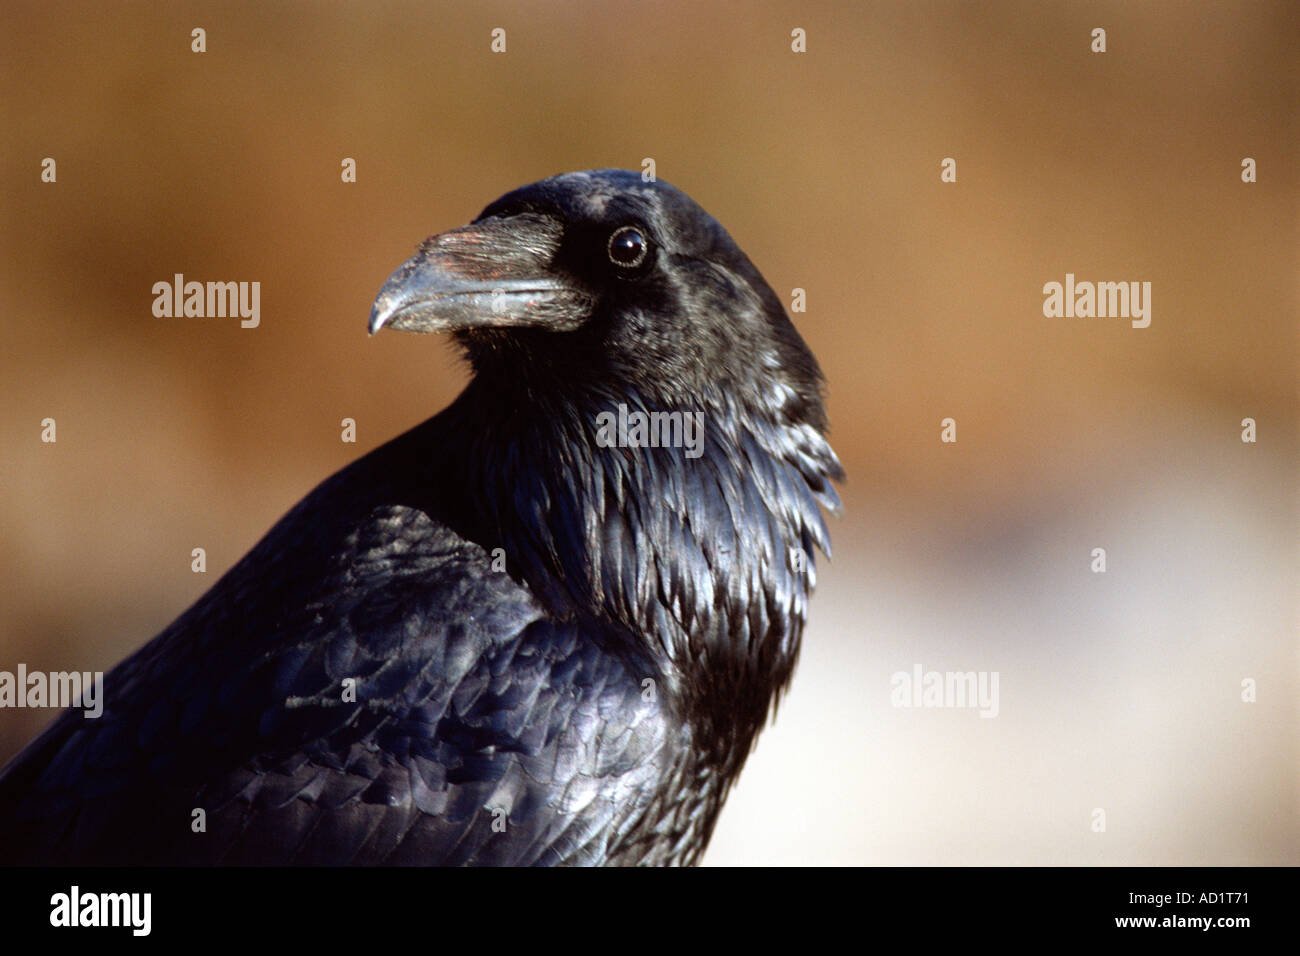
x: 628, y: 247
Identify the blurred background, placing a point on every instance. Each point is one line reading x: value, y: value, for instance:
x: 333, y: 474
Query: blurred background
x: 1119, y: 691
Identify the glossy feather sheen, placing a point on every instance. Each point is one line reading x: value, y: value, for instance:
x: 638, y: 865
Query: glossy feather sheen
x: 591, y: 704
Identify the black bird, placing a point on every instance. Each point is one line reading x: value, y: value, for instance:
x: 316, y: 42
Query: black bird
x: 525, y: 631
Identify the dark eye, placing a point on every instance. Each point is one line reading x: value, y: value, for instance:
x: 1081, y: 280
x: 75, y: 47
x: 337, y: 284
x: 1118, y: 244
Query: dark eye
x: 628, y: 247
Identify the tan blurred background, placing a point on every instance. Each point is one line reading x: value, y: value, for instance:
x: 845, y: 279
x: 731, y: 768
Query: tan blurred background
x: 1118, y: 691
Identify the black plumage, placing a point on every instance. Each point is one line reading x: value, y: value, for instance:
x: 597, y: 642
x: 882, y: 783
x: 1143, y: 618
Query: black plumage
x: 558, y: 651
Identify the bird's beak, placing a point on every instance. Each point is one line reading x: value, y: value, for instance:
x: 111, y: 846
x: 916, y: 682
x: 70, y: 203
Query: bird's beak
x: 492, y: 273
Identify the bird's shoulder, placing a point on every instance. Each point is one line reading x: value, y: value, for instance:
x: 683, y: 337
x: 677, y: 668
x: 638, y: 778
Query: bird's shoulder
x: 367, y: 685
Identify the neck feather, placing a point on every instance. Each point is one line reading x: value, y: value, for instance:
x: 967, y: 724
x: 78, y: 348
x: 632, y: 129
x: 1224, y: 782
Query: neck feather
x: 703, y: 555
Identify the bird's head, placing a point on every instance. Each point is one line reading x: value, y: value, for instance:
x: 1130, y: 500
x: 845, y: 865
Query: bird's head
x: 591, y: 293
x: 602, y: 278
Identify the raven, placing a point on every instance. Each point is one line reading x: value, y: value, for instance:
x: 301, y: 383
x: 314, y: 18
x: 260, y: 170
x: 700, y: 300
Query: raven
x: 543, y: 627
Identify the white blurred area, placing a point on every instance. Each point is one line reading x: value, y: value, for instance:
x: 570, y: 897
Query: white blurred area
x: 1119, y: 690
